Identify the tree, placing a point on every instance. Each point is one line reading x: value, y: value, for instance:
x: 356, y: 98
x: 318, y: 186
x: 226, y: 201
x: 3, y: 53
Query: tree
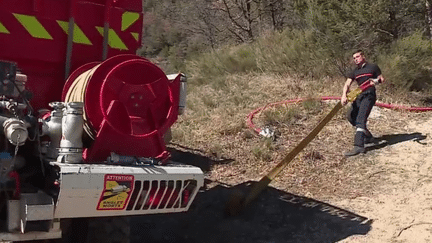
x: 242, y: 16
x: 274, y: 13
x: 342, y: 26
x: 429, y: 17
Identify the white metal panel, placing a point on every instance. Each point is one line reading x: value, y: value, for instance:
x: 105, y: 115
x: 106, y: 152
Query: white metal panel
x: 38, y: 206
x: 82, y: 186
x: 53, y: 233
x: 39, y: 212
x: 34, y: 235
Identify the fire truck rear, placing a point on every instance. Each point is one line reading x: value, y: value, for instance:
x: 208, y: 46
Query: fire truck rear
x: 84, y: 121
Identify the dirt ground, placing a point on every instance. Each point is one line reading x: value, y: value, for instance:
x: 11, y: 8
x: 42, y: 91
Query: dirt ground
x: 401, y: 205
x: 396, y: 207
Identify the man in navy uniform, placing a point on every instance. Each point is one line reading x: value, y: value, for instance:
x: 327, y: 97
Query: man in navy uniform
x: 362, y: 106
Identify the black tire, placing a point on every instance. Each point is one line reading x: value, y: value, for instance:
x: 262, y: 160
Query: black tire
x: 95, y: 230
x: 109, y: 230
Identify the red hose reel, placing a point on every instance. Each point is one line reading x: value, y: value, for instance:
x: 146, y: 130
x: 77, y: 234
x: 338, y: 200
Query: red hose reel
x: 129, y: 104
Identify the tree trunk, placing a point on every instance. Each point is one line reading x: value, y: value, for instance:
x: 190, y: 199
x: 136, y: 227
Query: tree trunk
x: 429, y: 17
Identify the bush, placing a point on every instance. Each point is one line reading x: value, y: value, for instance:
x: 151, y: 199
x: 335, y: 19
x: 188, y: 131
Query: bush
x: 408, y: 63
x: 302, y: 53
x: 264, y: 150
x: 212, y: 67
x: 293, y: 52
x: 282, y: 115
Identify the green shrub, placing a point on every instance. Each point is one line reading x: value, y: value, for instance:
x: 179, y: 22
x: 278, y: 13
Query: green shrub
x: 296, y: 52
x: 408, y: 63
x: 215, y: 65
x: 209, y: 101
x: 264, y: 150
x: 312, y: 106
x: 281, y: 115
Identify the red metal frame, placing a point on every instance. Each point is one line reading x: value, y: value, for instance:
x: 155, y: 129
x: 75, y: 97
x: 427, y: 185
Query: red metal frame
x: 43, y: 60
x: 36, y: 39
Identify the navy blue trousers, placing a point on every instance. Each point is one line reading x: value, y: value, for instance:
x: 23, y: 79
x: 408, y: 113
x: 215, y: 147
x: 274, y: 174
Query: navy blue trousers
x: 358, y: 115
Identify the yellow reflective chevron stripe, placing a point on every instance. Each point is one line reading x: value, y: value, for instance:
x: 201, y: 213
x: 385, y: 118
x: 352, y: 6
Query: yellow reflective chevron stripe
x: 114, y: 40
x: 78, y: 34
x: 3, y: 29
x: 128, y: 18
x: 135, y: 35
x: 33, y: 26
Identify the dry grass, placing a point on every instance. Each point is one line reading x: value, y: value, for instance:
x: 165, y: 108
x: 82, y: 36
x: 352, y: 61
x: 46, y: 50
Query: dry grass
x: 215, y: 124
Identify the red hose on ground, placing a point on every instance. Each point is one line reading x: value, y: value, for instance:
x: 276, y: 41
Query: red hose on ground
x: 382, y: 105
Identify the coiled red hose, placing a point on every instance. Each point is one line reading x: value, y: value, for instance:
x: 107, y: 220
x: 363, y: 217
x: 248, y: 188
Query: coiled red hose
x: 251, y: 115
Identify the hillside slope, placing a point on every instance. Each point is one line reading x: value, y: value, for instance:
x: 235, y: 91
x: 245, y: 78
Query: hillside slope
x: 381, y: 196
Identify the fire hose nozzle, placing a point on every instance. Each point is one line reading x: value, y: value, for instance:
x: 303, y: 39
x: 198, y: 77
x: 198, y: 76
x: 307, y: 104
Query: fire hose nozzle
x: 15, y: 131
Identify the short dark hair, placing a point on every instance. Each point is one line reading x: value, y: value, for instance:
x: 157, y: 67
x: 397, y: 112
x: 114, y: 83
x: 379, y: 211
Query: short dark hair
x: 358, y: 51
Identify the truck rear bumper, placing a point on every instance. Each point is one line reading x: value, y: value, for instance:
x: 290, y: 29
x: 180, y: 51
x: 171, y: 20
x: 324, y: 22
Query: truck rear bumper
x: 98, y: 190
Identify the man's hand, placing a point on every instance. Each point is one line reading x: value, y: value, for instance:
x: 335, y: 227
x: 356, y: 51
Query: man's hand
x: 378, y: 80
x: 375, y: 81
x: 344, y: 100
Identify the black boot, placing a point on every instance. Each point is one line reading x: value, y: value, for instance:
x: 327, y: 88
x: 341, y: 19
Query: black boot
x: 356, y: 150
x: 359, y: 141
x: 369, y: 138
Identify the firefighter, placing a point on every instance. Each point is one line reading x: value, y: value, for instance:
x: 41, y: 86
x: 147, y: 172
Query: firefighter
x: 362, y: 106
